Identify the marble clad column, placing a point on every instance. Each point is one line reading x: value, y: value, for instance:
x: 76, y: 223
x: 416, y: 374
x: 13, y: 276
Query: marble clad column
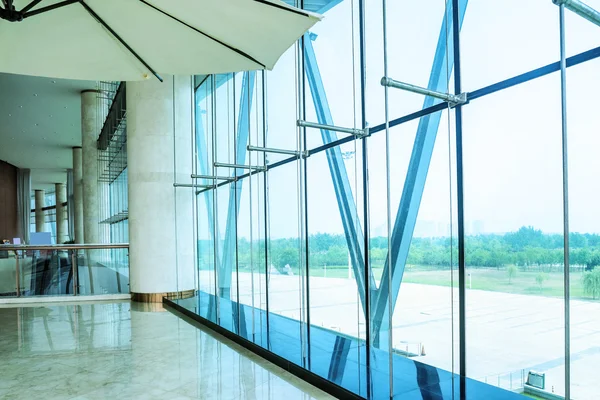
x: 62, y: 227
x: 40, y: 218
x: 159, y: 131
x: 77, y: 195
x: 89, y: 137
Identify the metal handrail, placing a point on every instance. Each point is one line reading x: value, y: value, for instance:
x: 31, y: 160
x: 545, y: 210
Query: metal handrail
x: 12, y: 247
x: 17, y: 248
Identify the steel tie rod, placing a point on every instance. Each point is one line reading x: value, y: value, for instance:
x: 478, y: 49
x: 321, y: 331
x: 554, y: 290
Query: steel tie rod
x: 352, y: 131
x: 278, y: 151
x: 452, y: 99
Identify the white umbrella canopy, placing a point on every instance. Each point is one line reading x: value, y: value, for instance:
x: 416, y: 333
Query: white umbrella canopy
x: 126, y: 40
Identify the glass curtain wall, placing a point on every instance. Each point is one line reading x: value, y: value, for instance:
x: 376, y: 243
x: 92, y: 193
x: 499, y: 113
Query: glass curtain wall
x: 419, y: 251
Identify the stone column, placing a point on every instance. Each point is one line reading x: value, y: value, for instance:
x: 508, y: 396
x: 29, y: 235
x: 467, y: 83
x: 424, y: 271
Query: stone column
x: 90, y: 130
x: 62, y: 227
x: 161, y: 235
x: 40, y: 218
x: 77, y: 195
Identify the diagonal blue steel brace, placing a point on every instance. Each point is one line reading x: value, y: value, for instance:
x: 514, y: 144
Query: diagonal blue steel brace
x: 414, y: 185
x: 235, y: 188
x: 202, y: 158
x: 337, y: 168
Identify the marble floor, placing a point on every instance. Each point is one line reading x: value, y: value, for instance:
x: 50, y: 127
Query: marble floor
x: 124, y: 350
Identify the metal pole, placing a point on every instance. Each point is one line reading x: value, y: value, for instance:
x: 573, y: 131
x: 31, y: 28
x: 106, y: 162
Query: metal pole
x: 272, y: 150
x: 450, y: 98
x: 365, y: 177
x: 240, y: 166
x: 462, y: 305
x: 74, y: 271
x: 388, y: 179
x: 224, y: 178
x: 581, y: 9
x: 351, y: 131
x: 18, y: 275
x: 193, y: 185
x: 565, y: 178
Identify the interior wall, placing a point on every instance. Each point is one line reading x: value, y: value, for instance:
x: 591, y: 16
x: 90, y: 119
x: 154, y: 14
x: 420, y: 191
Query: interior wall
x: 8, y: 201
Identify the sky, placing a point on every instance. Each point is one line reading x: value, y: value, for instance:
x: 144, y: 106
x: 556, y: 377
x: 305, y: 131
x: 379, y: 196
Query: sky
x: 512, y: 139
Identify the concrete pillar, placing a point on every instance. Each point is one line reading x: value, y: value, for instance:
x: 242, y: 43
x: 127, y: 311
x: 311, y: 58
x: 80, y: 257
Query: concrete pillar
x: 62, y: 227
x: 161, y: 234
x: 77, y: 195
x: 40, y: 218
x: 90, y: 129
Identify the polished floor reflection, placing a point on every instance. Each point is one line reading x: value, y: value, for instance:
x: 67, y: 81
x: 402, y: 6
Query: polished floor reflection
x: 127, y: 350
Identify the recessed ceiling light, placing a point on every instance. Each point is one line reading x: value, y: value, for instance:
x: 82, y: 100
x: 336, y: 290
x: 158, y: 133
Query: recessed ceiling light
x: 20, y: 106
x: 50, y: 115
x: 53, y: 81
x: 37, y: 124
x: 10, y: 115
x: 35, y: 94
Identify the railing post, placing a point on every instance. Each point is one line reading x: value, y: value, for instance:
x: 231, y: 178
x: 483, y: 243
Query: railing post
x: 18, y: 274
x: 74, y: 271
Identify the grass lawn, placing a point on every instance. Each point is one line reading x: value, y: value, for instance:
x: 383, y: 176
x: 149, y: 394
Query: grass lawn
x: 524, y: 282
x: 495, y: 280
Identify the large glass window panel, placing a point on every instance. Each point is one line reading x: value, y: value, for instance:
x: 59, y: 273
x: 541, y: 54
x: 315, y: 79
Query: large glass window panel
x: 286, y: 280
x: 225, y: 210
x: 373, y: 39
x: 336, y: 55
x: 282, y: 103
x: 335, y: 297
x: 584, y: 223
x: 251, y: 222
x: 503, y: 39
x: 205, y: 200
x: 380, y: 350
x: 513, y: 236
x: 425, y: 312
x: 413, y: 34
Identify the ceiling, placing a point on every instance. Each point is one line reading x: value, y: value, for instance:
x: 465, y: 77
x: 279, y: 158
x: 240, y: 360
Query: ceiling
x: 40, y: 122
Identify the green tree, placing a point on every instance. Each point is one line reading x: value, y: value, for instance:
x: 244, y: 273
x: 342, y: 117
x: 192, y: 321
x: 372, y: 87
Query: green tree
x: 511, y: 271
x: 591, y: 283
x: 337, y: 255
x: 593, y: 261
x: 288, y: 256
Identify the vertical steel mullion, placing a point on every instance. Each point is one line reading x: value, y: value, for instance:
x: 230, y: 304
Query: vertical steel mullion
x: 215, y: 200
x: 236, y: 128
x: 565, y: 182
x: 388, y: 207
x: 194, y: 195
x: 194, y: 156
x: 266, y: 204
x: 299, y: 187
x: 173, y: 110
x: 305, y: 161
x: 365, y: 170
x: 460, y: 201
x: 251, y: 210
